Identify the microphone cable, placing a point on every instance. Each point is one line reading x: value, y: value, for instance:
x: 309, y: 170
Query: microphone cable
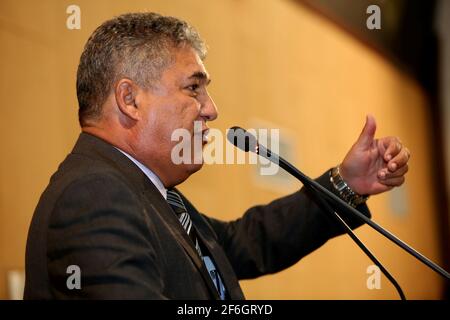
x: 326, y: 206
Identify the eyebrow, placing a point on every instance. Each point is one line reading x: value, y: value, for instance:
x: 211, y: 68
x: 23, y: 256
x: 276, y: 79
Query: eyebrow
x: 202, y: 76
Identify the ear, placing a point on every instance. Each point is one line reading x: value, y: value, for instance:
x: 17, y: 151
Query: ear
x: 125, y: 93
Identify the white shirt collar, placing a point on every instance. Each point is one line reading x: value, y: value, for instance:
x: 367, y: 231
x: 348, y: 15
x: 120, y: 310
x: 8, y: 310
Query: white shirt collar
x: 149, y: 173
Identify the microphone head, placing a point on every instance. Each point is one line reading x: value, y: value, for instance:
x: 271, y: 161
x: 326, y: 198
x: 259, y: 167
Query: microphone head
x: 242, y: 139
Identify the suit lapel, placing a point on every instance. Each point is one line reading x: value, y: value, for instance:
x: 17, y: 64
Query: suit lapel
x: 162, y: 208
x: 206, y: 234
x: 223, y: 266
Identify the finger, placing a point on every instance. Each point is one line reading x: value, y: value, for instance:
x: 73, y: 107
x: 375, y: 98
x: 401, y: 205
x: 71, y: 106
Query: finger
x: 367, y: 135
x: 393, y: 147
x: 384, y: 173
x: 393, y: 182
x: 400, y: 160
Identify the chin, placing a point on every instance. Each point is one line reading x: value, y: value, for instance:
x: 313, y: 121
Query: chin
x: 193, y: 168
x: 185, y: 173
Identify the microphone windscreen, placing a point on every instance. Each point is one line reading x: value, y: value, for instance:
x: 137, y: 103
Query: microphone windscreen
x: 242, y: 139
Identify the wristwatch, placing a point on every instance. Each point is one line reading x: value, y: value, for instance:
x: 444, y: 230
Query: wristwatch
x: 345, y: 192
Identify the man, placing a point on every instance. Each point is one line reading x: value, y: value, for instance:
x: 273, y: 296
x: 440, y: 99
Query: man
x: 111, y: 212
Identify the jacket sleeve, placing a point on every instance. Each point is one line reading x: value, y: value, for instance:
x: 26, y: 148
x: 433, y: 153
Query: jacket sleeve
x: 98, y: 226
x: 270, y: 238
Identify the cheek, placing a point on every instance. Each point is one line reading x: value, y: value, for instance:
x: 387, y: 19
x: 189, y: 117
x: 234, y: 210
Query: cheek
x: 186, y: 113
x: 162, y: 120
x: 153, y: 131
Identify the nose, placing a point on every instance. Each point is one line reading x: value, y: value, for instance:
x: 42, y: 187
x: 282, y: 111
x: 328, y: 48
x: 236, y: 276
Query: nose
x: 209, y: 110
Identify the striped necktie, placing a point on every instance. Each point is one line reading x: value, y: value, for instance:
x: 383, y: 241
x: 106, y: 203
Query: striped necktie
x: 177, y: 204
x: 175, y: 201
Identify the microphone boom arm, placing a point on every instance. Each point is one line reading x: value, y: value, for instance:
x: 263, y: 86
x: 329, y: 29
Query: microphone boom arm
x: 269, y: 155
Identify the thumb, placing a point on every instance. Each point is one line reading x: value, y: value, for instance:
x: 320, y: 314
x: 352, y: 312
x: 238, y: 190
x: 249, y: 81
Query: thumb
x: 368, y: 133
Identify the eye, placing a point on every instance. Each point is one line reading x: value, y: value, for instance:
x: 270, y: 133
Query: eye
x: 193, y: 87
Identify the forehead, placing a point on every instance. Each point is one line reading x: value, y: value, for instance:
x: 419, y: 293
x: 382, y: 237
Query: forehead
x: 187, y: 63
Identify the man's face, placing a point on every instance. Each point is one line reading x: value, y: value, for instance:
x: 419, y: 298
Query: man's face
x: 176, y: 101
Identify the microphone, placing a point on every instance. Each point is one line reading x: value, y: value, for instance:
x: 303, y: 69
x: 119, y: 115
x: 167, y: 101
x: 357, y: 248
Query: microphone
x: 242, y: 139
x: 247, y: 142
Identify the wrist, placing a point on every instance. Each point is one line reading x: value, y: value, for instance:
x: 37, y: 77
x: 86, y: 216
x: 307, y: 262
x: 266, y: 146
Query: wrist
x: 345, y: 192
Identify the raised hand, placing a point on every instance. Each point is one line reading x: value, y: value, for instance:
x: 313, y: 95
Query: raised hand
x: 375, y: 165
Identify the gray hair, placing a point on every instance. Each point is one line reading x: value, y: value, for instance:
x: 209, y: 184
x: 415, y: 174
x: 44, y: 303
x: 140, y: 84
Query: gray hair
x: 134, y: 45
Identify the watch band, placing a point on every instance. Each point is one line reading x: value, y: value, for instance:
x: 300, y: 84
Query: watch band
x: 345, y: 192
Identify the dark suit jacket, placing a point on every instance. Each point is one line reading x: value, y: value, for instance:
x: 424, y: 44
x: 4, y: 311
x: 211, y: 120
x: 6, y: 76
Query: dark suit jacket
x: 101, y: 213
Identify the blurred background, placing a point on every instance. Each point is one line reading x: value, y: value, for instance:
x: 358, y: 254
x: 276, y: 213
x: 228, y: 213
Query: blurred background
x: 312, y: 68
